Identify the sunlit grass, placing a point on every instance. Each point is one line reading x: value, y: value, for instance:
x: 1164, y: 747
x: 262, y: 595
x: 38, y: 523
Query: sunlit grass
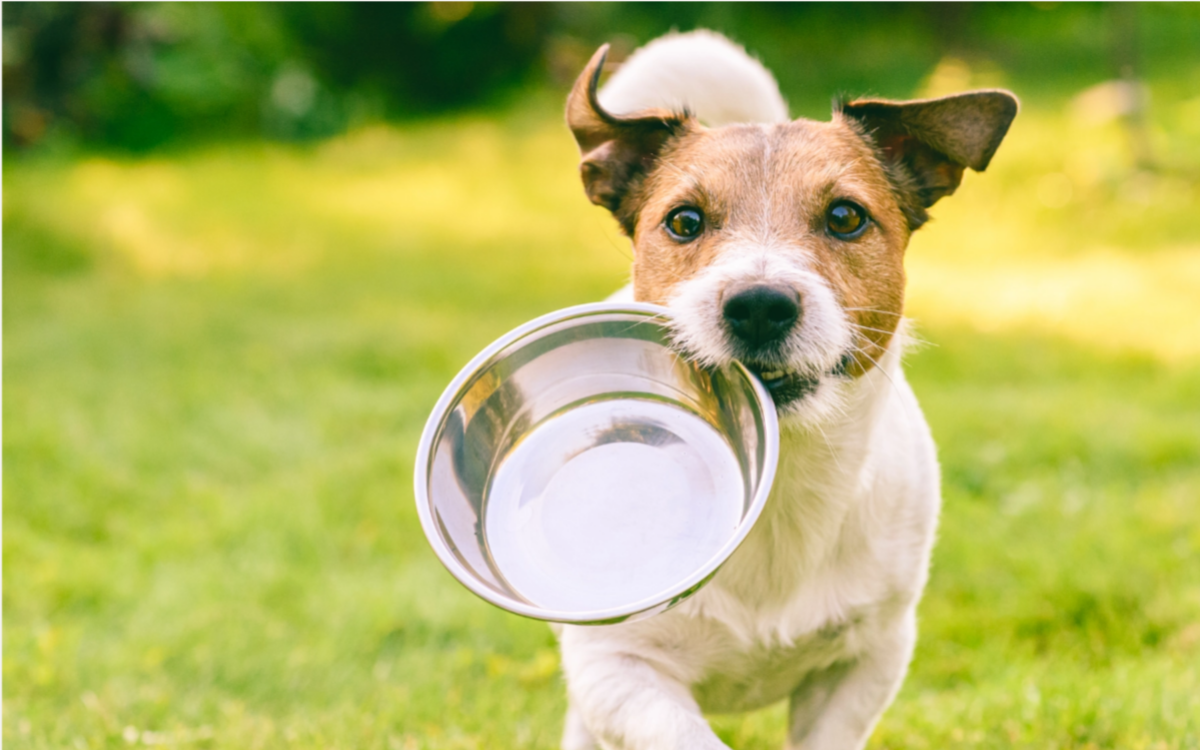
x: 1104, y: 299
x: 1061, y: 234
x: 218, y: 362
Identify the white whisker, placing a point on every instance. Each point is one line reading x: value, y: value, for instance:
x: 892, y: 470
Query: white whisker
x: 908, y: 335
x: 878, y: 367
x: 868, y: 328
x: 832, y: 452
x: 873, y: 310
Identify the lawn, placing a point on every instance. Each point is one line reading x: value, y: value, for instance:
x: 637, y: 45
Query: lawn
x: 218, y: 362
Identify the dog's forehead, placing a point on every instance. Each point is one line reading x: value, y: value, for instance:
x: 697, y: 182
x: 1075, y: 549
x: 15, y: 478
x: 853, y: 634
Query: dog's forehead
x: 801, y: 155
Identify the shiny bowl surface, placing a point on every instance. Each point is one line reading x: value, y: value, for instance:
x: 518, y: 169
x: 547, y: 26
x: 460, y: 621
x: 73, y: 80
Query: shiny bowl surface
x: 579, y: 470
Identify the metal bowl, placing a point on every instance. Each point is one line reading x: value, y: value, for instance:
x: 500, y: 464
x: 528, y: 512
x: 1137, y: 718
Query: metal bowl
x: 579, y: 470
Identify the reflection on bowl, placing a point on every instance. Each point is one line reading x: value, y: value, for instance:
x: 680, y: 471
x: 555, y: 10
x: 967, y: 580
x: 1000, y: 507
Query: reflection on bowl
x: 580, y: 470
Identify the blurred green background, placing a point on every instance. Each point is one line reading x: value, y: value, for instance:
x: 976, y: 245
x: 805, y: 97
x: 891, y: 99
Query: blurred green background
x: 245, y: 246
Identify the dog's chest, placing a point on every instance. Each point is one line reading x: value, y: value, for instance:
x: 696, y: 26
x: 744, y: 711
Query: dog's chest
x: 759, y: 643
x: 746, y: 679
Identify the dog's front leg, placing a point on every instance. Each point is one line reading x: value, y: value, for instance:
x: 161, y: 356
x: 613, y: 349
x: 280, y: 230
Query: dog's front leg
x: 625, y: 702
x: 837, y: 708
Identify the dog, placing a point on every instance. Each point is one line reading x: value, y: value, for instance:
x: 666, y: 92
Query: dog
x: 779, y: 243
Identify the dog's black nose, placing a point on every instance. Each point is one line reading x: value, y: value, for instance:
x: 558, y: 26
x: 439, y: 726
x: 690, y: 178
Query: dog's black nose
x: 762, y: 314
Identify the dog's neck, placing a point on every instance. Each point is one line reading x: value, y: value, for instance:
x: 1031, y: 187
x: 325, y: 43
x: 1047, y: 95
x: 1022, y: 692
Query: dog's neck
x: 821, y: 494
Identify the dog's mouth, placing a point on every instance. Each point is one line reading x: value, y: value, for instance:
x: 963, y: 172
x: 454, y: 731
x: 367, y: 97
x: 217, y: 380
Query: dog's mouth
x: 787, y: 384
x: 784, y: 384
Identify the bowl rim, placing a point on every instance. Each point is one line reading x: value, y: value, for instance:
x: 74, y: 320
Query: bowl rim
x: 670, y: 596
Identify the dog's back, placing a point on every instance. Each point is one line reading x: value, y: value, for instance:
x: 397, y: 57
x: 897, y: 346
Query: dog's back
x: 700, y: 71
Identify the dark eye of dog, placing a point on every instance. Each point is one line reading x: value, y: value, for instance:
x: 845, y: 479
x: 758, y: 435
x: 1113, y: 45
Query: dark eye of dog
x: 685, y: 223
x: 846, y: 220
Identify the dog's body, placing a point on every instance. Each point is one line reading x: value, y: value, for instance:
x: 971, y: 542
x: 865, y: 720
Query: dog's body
x: 779, y: 244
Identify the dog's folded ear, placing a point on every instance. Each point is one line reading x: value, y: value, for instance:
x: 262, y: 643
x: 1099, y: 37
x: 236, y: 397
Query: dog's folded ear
x: 926, y: 144
x: 616, y: 150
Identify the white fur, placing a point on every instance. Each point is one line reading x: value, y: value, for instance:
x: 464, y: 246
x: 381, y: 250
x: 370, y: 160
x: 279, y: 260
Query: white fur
x: 818, y: 604
x: 700, y: 71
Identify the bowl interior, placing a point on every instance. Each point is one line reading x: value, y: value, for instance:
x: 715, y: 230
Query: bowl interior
x: 580, y: 470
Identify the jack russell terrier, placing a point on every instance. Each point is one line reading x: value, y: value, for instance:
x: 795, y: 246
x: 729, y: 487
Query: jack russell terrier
x: 780, y: 243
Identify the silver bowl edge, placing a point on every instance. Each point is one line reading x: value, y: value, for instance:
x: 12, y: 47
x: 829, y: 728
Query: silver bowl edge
x: 638, y: 610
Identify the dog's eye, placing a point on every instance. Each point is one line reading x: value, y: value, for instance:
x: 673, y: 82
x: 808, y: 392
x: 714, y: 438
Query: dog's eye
x: 846, y: 220
x: 684, y: 223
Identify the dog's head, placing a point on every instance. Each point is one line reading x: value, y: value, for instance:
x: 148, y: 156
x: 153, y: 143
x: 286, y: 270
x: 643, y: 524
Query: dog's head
x: 781, y: 245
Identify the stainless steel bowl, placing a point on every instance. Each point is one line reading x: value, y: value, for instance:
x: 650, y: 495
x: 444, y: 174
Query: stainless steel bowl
x: 579, y: 470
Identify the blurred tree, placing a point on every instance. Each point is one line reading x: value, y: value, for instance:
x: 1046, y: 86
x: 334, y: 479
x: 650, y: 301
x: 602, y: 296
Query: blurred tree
x: 418, y: 58
x: 135, y: 76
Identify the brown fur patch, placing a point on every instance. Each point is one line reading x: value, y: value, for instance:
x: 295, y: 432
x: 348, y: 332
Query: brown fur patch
x: 926, y: 144
x: 616, y: 151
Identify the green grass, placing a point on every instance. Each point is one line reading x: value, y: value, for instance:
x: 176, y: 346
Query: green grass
x: 217, y: 365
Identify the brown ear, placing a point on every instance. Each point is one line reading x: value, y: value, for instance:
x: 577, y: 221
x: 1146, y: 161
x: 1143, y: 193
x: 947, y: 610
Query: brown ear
x: 616, y: 150
x: 927, y: 143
